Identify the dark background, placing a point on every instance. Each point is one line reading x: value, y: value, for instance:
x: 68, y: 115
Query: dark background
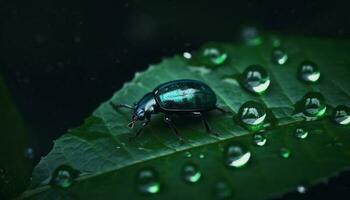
x: 60, y: 59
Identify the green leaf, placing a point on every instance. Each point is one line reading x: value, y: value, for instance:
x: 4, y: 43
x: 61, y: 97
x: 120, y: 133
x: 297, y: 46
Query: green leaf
x: 109, y: 163
x: 15, y: 168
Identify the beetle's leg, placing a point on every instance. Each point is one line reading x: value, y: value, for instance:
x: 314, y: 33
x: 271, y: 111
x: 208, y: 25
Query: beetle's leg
x: 168, y: 120
x: 222, y: 110
x: 207, y: 127
x: 117, y: 106
x: 138, y: 133
x: 206, y: 124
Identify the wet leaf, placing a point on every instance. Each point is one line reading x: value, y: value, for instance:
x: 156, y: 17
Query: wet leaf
x: 110, y: 165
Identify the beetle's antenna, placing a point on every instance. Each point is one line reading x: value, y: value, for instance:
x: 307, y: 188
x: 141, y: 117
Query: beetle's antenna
x: 117, y: 106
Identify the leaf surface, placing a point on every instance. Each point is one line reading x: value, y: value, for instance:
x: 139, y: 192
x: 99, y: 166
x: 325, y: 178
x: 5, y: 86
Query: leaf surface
x: 108, y: 162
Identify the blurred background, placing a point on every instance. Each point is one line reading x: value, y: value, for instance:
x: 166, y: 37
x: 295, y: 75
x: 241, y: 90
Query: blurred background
x: 60, y: 59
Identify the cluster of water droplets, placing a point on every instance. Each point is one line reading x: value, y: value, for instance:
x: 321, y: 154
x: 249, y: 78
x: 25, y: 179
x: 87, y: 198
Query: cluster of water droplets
x: 251, y: 114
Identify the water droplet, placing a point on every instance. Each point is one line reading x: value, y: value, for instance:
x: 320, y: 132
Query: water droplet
x: 285, y: 153
x: 252, y: 114
x: 301, y: 189
x: 279, y: 56
x: 341, y: 115
x: 251, y: 36
x: 259, y: 139
x: 313, y: 104
x: 187, y: 55
x: 191, y: 173
x: 29, y: 153
x: 63, y: 176
x: 201, y: 156
x: 276, y: 42
x: 256, y: 79
x: 213, y: 56
x: 148, y: 181
x: 309, y: 72
x: 222, y: 190
x: 301, y: 133
x: 236, y: 156
x: 188, y: 154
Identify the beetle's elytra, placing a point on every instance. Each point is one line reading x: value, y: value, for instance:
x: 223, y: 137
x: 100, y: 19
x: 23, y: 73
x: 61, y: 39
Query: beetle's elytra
x: 178, y: 97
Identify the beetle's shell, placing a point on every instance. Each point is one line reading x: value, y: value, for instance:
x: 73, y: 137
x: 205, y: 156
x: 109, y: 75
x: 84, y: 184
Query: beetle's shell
x: 185, y: 95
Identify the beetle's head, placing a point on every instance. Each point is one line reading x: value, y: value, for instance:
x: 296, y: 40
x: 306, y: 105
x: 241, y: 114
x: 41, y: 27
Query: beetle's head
x: 138, y: 115
x: 143, y: 109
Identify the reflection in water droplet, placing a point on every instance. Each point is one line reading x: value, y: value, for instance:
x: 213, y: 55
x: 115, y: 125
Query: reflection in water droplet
x: 252, y: 114
x: 259, y: 139
x: 285, y: 153
x: 309, y: 72
x: 29, y: 153
x: 201, y: 156
x: 213, y: 56
x: 187, y: 55
x: 301, y: 133
x: 256, y: 79
x: 236, y: 156
x: 314, y: 104
x: 147, y: 181
x: 250, y: 36
x: 341, y: 115
x: 301, y: 189
x: 191, y: 173
x: 188, y: 154
x: 222, y: 190
x: 63, y: 176
x: 279, y: 56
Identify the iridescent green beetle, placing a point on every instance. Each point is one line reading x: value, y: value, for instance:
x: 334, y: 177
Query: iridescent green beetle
x: 178, y: 97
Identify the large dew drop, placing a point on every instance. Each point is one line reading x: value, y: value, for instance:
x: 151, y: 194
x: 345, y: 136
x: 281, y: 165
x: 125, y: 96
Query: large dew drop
x: 63, y: 176
x: 212, y: 56
x: 147, y: 181
x: 313, y: 104
x: 191, y: 173
x: 341, y: 115
x: 252, y: 114
x: 236, y: 156
x: 279, y: 56
x: 309, y: 72
x: 256, y: 79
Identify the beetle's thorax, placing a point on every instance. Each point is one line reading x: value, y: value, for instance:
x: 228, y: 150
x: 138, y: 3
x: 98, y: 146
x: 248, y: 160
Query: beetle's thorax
x: 146, y: 107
